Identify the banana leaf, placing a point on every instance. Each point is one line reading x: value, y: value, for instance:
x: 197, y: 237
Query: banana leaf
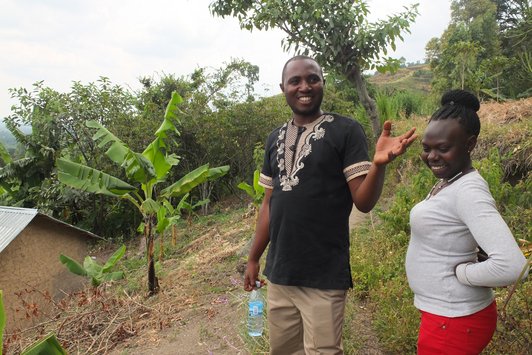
x: 170, y: 115
x: 136, y: 165
x: 118, y: 149
x: 113, y: 259
x: 247, y: 188
x: 162, y: 220
x: 161, y: 162
x: 193, y: 179
x: 113, y: 276
x: 88, y: 179
x: 187, y: 182
x: 155, y: 152
x: 46, y: 346
x: 72, y: 265
x: 150, y: 207
x: 94, y: 270
x: 258, y: 188
x: 183, y: 202
x: 215, y: 173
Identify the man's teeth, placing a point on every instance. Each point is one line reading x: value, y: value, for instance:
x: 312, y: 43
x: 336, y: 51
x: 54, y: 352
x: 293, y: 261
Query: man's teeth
x: 305, y: 99
x: 439, y: 167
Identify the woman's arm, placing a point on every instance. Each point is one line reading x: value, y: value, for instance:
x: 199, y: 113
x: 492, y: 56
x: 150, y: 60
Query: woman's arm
x: 476, y: 207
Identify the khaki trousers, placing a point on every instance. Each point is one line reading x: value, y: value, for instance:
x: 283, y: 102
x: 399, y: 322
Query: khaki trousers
x: 305, y: 320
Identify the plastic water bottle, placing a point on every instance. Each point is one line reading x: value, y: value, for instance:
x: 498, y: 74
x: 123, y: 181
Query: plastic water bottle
x: 256, y: 312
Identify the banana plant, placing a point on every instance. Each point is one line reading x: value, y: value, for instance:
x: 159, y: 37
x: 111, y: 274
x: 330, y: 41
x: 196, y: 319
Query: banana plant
x: 90, y: 268
x: 256, y: 192
x: 176, y: 213
x: 144, y: 171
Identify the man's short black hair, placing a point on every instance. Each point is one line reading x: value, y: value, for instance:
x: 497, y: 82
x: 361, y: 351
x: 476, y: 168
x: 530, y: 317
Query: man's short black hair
x: 300, y: 57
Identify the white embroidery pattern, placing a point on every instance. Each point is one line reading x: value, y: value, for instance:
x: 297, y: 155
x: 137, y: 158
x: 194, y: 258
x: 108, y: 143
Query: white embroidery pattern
x: 290, y: 179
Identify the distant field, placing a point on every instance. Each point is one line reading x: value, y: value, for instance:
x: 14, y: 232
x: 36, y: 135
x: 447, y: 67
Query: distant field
x: 413, y: 78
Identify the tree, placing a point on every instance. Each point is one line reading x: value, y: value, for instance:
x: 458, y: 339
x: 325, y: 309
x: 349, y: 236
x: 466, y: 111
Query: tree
x: 207, y: 133
x: 464, y: 57
x: 483, y: 47
x: 515, y: 20
x: 47, y: 123
x: 27, y: 178
x: 337, y: 33
x: 147, y: 169
x: 494, y: 67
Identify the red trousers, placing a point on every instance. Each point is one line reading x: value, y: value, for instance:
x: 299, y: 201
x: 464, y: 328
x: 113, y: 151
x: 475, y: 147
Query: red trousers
x: 467, y: 335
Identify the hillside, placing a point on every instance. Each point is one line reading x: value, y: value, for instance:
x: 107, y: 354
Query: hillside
x: 415, y: 78
x: 7, y: 139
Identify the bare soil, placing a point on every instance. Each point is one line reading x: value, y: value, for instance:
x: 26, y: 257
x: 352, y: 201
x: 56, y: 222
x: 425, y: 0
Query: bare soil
x: 214, y: 322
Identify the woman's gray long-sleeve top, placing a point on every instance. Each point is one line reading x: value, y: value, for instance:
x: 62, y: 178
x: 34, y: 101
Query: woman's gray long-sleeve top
x: 441, y: 261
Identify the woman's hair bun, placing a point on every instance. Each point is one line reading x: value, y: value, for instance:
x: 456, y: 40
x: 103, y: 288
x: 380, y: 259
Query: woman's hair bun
x: 461, y: 97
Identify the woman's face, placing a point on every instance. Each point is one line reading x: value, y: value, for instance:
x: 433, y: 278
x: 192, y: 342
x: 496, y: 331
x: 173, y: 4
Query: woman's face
x: 446, y: 148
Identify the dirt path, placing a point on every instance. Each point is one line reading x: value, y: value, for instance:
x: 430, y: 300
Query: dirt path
x: 214, y: 323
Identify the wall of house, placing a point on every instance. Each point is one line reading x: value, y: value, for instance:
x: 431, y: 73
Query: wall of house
x: 31, y: 275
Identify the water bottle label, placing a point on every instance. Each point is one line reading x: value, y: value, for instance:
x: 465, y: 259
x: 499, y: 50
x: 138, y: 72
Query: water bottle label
x: 256, y: 308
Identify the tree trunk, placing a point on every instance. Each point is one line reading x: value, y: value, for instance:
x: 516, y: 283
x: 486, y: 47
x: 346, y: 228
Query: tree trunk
x: 497, y: 88
x: 174, y: 235
x: 153, y: 283
x: 355, y: 77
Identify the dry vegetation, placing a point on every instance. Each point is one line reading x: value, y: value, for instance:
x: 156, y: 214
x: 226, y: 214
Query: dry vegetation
x: 197, y: 310
x: 514, y: 142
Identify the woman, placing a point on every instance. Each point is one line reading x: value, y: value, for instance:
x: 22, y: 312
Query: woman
x: 451, y: 288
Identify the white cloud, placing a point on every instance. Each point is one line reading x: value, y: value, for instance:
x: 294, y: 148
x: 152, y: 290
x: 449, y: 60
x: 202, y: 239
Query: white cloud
x: 60, y: 41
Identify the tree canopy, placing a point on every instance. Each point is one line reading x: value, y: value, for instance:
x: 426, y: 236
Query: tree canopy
x: 485, y: 48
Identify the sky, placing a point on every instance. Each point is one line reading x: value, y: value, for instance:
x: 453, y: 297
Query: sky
x: 61, y: 41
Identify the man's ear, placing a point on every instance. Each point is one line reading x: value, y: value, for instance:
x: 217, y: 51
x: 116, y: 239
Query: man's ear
x: 282, y: 87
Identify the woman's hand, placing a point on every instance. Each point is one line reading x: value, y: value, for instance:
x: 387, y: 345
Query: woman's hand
x: 388, y: 147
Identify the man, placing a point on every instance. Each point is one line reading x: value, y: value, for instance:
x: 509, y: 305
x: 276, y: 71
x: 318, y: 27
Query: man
x: 315, y: 167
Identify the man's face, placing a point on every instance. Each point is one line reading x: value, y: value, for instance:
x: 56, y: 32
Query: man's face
x: 303, y: 87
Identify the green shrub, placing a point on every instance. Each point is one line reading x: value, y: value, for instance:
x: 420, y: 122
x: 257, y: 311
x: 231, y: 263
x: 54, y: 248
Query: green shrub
x: 514, y: 202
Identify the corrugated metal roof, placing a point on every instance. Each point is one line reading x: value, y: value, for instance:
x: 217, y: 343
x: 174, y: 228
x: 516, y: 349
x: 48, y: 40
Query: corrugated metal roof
x: 12, y: 221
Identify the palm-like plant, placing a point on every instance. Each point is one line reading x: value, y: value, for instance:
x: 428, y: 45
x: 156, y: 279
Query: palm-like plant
x: 256, y: 192
x: 149, y: 168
